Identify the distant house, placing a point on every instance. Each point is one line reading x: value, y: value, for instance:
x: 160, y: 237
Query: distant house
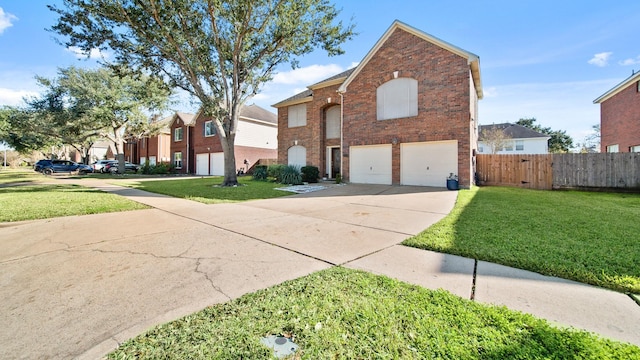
x: 620, y: 116
x: 521, y: 140
x: 405, y: 115
x: 195, y: 146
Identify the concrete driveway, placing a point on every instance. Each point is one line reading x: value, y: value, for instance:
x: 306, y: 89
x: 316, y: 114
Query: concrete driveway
x: 76, y: 287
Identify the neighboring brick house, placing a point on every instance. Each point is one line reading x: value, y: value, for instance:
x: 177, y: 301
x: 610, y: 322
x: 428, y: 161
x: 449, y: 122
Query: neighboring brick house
x: 157, y: 148
x: 620, y: 116
x: 407, y: 114
x: 196, y: 148
x: 521, y: 140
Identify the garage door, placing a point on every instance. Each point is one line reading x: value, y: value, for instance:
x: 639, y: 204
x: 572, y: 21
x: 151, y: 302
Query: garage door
x: 217, y: 164
x: 202, y: 164
x: 428, y: 163
x: 370, y: 164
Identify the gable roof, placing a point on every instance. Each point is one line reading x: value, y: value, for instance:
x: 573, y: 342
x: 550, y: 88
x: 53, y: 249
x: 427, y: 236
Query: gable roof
x: 255, y: 112
x: 616, y: 89
x: 514, y: 131
x: 472, y: 59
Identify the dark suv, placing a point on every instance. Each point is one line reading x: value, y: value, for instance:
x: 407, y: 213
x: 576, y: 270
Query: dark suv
x: 112, y: 167
x: 49, y: 167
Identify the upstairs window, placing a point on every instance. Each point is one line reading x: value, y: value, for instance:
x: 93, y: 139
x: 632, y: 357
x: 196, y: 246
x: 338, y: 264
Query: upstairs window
x: 298, y: 115
x: 209, y: 128
x: 519, y: 145
x: 397, y: 98
x: 177, y: 134
x: 333, y: 122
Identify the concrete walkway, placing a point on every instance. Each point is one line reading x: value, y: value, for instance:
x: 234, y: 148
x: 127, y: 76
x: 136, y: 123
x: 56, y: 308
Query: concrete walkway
x: 76, y: 287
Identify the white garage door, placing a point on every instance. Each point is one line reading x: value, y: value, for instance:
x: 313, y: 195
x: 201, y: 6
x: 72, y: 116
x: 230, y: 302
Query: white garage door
x: 428, y: 163
x: 202, y: 164
x: 217, y: 164
x: 370, y: 164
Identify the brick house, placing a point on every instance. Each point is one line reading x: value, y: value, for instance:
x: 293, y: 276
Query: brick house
x: 196, y: 149
x: 620, y: 116
x: 407, y: 114
x: 155, y: 148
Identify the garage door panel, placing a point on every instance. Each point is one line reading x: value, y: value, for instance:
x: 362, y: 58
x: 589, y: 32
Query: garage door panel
x: 370, y: 164
x: 202, y: 164
x: 217, y: 164
x: 428, y: 163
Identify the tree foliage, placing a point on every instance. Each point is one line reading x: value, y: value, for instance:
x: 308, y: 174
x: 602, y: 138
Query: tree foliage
x: 219, y: 51
x: 560, y: 142
x: 81, y: 105
x: 496, y: 138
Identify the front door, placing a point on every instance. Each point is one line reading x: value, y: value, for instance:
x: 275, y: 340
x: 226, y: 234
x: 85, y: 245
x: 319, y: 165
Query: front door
x: 335, y: 161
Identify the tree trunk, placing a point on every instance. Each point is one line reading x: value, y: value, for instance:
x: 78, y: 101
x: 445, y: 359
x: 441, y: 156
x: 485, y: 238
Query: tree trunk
x: 230, y: 175
x: 120, y: 154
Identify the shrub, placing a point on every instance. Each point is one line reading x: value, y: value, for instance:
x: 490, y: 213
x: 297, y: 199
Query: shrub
x: 260, y: 172
x: 291, y: 175
x: 146, y: 168
x: 310, y: 174
x: 338, y: 179
x: 275, y: 171
x: 162, y: 169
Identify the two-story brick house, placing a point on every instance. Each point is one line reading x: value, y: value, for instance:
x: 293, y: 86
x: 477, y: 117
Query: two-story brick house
x: 196, y: 148
x: 620, y: 116
x: 407, y: 114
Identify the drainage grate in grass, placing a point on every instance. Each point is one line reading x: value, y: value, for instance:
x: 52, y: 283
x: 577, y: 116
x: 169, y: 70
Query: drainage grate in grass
x: 282, y: 346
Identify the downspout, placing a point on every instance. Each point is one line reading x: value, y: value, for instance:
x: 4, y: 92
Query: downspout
x: 186, y: 128
x: 341, y: 132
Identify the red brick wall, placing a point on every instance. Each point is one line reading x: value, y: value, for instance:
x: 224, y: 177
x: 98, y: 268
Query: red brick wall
x: 443, y: 101
x: 620, y: 119
x: 313, y: 135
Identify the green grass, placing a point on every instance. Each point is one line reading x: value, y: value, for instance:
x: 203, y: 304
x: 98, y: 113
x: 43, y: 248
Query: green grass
x: 584, y: 236
x: 31, y: 202
x: 9, y: 175
x: 348, y: 314
x: 206, y: 190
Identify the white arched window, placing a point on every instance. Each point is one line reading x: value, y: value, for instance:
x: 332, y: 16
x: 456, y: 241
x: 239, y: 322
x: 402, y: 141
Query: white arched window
x: 332, y: 116
x: 297, y: 155
x: 397, y: 98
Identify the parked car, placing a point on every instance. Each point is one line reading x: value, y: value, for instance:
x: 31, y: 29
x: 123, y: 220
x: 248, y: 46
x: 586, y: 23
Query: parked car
x: 49, y: 167
x: 98, y: 166
x: 112, y: 167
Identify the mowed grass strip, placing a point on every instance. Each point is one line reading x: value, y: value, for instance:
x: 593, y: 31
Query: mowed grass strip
x: 207, y: 190
x: 32, y: 202
x: 20, y: 175
x: 584, y: 236
x: 347, y: 314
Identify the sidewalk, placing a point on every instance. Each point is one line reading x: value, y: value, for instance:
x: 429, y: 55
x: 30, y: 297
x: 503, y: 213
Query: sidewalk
x: 105, y: 278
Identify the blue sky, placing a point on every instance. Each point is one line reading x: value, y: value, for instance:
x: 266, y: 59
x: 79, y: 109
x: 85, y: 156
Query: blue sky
x: 542, y: 59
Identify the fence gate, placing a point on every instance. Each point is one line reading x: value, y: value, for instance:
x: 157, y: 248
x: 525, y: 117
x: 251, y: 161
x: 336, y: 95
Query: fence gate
x: 526, y: 171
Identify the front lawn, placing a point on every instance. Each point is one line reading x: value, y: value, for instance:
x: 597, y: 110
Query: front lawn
x: 31, y: 202
x: 347, y: 314
x: 584, y: 236
x: 19, y: 175
x: 206, y: 190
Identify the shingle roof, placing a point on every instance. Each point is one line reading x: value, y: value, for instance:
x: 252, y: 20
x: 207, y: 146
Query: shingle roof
x: 514, y: 131
x: 343, y: 74
x: 254, y: 111
x: 298, y: 96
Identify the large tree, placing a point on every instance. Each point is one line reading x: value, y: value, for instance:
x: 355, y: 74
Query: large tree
x: 24, y: 131
x: 219, y: 51
x: 560, y: 142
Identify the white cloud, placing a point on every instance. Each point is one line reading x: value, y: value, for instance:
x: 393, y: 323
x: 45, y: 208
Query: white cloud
x: 630, y: 61
x: 600, y: 59
x: 307, y: 75
x: 6, y: 20
x: 490, y: 92
x: 93, y: 54
x: 12, y: 97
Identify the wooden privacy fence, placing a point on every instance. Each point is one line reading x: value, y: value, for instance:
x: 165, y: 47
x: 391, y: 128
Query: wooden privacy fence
x: 556, y: 171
